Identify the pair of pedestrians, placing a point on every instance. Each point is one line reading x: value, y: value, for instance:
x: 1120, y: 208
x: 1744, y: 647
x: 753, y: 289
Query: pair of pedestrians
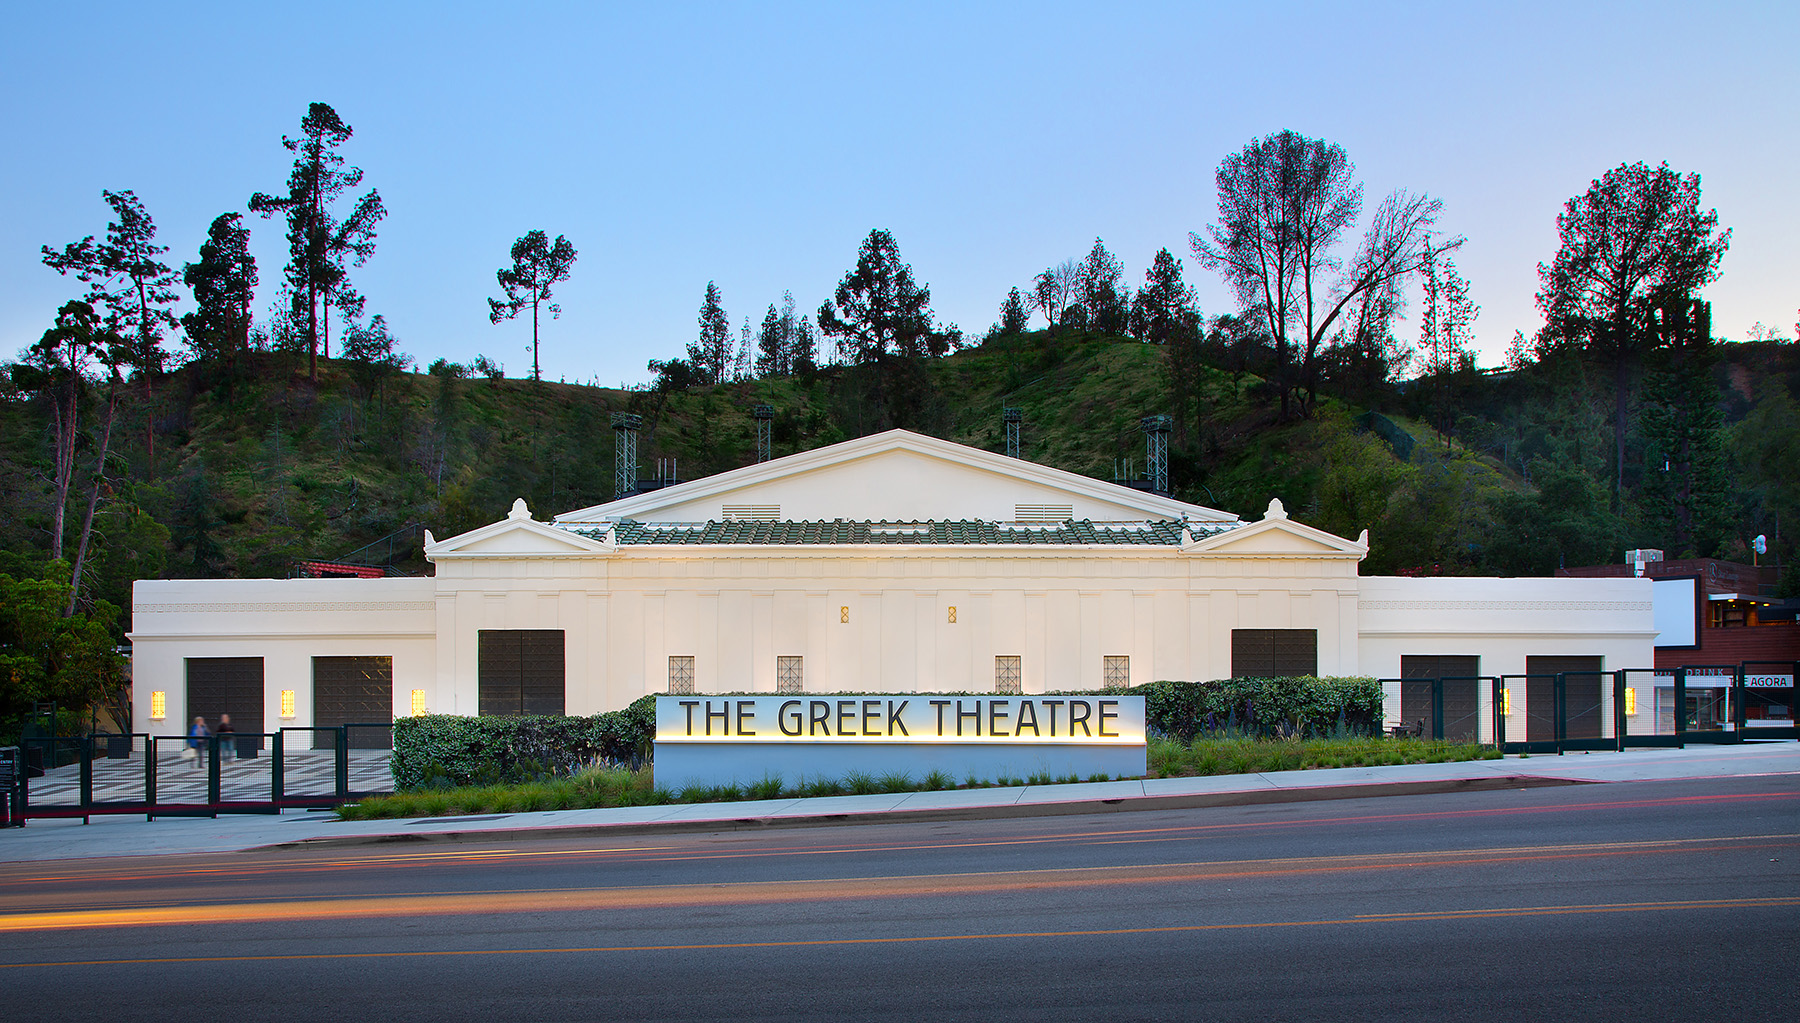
x: 199, y: 734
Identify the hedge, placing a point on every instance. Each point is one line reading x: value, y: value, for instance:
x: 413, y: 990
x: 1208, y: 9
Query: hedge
x: 1299, y: 707
x: 440, y: 750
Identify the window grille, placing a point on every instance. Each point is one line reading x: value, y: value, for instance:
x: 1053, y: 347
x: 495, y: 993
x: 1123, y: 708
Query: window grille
x: 681, y: 676
x: 790, y: 674
x: 1115, y: 672
x: 1007, y: 675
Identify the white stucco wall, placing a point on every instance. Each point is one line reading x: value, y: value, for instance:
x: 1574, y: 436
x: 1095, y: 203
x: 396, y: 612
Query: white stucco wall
x: 1062, y: 610
x: 1503, y: 622
x: 286, y: 622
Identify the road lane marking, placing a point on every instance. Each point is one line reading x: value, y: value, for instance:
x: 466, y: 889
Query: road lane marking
x: 694, y: 853
x: 599, y: 898
x: 1617, y: 907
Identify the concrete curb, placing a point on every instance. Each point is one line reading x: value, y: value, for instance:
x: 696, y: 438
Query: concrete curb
x: 1123, y: 804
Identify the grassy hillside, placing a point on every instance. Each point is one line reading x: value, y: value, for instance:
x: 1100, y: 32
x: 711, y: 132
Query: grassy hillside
x: 255, y: 472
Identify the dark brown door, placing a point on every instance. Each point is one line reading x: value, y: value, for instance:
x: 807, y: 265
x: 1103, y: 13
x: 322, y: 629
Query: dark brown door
x: 1581, y: 693
x: 521, y: 671
x: 1462, y: 693
x: 354, y: 690
x: 225, y: 685
x: 1274, y: 653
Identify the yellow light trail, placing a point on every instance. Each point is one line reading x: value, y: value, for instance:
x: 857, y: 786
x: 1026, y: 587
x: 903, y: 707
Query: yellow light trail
x: 1480, y: 914
x: 828, y: 889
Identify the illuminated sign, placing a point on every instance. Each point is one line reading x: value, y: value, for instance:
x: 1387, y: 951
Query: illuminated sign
x: 911, y: 718
x: 742, y: 740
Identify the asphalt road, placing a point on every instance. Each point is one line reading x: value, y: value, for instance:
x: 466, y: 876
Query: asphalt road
x: 1676, y: 900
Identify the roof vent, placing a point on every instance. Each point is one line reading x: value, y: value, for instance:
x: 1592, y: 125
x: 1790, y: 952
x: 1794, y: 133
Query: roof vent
x: 1051, y: 513
x: 752, y: 512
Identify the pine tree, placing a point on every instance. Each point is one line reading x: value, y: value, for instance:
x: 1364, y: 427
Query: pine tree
x: 537, y: 266
x: 772, y: 351
x: 223, y: 283
x: 711, y: 352
x: 1686, y: 472
x: 126, y: 275
x: 1103, y: 295
x: 1013, y: 316
x: 318, y: 242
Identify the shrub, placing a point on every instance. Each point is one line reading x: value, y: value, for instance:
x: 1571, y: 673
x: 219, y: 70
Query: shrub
x: 1300, y: 707
x: 445, y: 750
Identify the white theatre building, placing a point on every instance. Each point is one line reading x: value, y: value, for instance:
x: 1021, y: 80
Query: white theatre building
x: 890, y: 563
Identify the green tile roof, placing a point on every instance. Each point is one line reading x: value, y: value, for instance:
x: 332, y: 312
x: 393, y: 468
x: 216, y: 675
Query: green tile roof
x: 1159, y: 533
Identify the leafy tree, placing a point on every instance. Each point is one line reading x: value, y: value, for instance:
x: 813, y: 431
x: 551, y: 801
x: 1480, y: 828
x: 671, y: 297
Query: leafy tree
x: 885, y: 312
x: 223, y: 283
x: 125, y: 275
x: 1365, y: 356
x: 48, y: 654
x: 1103, y: 295
x: 62, y: 359
x: 318, y: 242
x: 772, y: 352
x: 537, y: 265
x: 1633, y: 241
x: 1687, y: 474
x: 674, y: 375
x: 1765, y: 447
x: 1446, y: 326
x: 784, y: 344
x: 1165, y: 314
x: 1285, y: 202
x: 744, y: 358
x: 1014, y: 318
x: 1052, y: 290
x: 710, y: 354
x: 370, y: 351
x: 805, y: 345
x: 887, y: 327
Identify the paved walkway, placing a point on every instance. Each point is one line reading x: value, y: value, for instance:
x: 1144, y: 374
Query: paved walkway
x: 129, y: 835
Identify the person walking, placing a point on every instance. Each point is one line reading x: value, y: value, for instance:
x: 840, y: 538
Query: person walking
x: 197, y: 736
x: 226, y: 734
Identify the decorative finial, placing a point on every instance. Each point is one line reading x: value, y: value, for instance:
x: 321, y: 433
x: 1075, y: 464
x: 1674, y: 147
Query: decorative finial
x: 1275, y: 510
x: 1363, y: 540
x: 519, y: 511
x: 429, y: 539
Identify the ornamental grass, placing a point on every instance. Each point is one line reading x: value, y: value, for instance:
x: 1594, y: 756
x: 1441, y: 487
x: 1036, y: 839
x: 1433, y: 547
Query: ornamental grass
x: 604, y: 786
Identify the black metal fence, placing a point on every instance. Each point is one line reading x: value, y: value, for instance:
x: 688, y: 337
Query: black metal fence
x: 166, y: 786
x: 12, y: 787
x: 1603, y: 710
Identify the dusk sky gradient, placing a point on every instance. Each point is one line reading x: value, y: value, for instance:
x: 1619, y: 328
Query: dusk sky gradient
x: 757, y: 144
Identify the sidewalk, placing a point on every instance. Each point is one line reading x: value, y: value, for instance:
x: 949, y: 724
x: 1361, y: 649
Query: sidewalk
x: 134, y: 836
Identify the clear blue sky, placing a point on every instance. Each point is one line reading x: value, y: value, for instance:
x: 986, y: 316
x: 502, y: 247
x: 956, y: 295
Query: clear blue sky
x: 757, y: 144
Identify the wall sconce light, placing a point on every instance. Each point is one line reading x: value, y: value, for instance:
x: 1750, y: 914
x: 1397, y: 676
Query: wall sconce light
x: 287, y: 704
x: 844, y: 614
x: 952, y: 614
x: 1631, y: 700
x: 159, y: 705
x: 418, y: 703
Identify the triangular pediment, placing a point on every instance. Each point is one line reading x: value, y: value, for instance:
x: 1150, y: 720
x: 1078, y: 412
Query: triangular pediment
x: 897, y: 476
x: 516, y: 536
x: 1277, y: 536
